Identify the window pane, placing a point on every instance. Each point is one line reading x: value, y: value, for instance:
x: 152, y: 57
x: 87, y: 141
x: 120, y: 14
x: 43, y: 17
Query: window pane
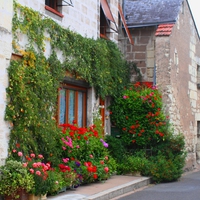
x: 71, y: 106
x: 80, y: 109
x: 62, y: 116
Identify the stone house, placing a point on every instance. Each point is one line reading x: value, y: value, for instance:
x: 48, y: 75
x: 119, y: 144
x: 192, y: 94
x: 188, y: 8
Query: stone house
x: 164, y: 43
x: 89, y: 18
x: 167, y: 52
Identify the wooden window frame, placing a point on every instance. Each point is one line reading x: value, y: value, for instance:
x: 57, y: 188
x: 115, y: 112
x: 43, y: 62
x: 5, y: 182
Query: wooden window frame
x: 103, y: 24
x: 53, y: 7
x: 77, y: 89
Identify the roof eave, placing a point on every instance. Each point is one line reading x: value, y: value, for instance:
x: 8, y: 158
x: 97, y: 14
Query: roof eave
x: 150, y: 24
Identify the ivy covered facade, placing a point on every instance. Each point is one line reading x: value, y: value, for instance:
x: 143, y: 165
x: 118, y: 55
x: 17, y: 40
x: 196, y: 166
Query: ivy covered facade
x: 61, y: 61
x: 60, y: 67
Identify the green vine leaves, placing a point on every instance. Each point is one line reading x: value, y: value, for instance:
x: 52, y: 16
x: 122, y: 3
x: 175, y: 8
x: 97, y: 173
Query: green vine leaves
x: 35, y: 78
x: 97, y: 61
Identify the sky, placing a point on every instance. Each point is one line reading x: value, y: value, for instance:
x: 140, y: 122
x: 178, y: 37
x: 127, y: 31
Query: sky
x: 194, y: 6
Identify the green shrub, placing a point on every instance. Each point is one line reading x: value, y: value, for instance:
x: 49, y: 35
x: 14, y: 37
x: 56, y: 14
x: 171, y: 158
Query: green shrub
x: 132, y: 165
x: 173, y: 144
x: 116, y: 148
x: 138, y: 114
x: 163, y: 169
x: 147, y: 144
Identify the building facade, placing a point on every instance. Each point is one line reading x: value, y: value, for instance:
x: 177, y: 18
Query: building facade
x: 90, y: 19
x: 167, y: 51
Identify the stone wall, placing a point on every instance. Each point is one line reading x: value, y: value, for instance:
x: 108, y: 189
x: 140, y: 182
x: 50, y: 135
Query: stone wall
x: 83, y: 18
x: 176, y: 58
x: 177, y: 78
x: 5, y: 55
x: 143, y: 51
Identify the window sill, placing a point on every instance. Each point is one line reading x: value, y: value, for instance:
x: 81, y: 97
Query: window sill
x: 54, y: 11
x: 103, y: 36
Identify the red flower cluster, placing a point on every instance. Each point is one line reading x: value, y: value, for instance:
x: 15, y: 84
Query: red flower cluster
x: 64, y: 168
x: 91, y: 169
x: 76, y: 132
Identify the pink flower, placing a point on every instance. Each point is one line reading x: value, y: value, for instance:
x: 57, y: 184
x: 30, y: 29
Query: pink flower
x: 14, y: 150
x: 48, y: 165
x: 38, y: 173
x: 35, y: 165
x: 125, y: 97
x: 77, y: 146
x: 154, y: 87
x: 32, y: 155
x: 20, y: 154
x: 65, y: 160
x: 38, y: 164
x: 106, y: 157
x: 86, y: 164
x: 91, y: 156
x: 45, y: 168
x: 40, y: 156
x: 64, y: 148
x: 31, y: 171
x: 24, y: 164
x: 106, y: 169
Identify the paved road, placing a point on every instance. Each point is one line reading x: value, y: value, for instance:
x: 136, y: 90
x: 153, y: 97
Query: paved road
x: 188, y: 188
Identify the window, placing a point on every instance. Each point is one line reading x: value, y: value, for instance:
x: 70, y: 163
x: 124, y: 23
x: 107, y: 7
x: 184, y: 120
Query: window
x: 198, y: 129
x: 176, y: 57
x: 72, y: 104
x: 54, y: 6
x: 51, y: 3
x: 103, y: 23
x: 198, y: 76
x: 107, y: 22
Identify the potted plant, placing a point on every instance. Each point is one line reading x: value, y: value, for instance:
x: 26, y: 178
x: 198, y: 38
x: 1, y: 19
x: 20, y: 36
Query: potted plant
x: 15, y: 181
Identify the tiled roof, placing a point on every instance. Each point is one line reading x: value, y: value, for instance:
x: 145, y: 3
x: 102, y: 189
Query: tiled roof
x: 164, y: 29
x: 151, y: 12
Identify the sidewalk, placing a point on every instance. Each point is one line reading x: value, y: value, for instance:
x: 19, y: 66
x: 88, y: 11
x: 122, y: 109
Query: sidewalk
x: 115, y: 186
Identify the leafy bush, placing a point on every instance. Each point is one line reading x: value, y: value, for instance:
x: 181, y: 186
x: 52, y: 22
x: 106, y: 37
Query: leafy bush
x: 166, y: 169
x: 85, y: 151
x: 14, y: 177
x: 132, y: 165
x: 116, y: 148
x: 147, y: 144
x: 138, y: 114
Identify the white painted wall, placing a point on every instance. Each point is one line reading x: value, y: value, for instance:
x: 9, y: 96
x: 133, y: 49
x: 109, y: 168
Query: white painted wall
x: 6, y: 9
x: 82, y: 18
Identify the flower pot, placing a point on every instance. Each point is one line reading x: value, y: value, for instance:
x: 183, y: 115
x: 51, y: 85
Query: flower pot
x: 62, y: 190
x: 43, y: 197
x: 33, y: 197
x: 23, y: 195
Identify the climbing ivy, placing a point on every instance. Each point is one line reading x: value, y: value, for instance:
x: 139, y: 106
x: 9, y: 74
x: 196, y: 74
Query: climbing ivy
x: 35, y: 78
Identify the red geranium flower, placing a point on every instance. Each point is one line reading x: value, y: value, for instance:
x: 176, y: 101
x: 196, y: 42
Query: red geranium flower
x: 95, y: 176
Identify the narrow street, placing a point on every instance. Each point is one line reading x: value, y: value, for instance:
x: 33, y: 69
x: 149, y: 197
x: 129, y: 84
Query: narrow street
x: 187, y: 188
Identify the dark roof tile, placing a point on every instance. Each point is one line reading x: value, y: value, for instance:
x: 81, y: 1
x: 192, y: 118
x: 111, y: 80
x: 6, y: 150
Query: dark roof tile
x: 151, y: 12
